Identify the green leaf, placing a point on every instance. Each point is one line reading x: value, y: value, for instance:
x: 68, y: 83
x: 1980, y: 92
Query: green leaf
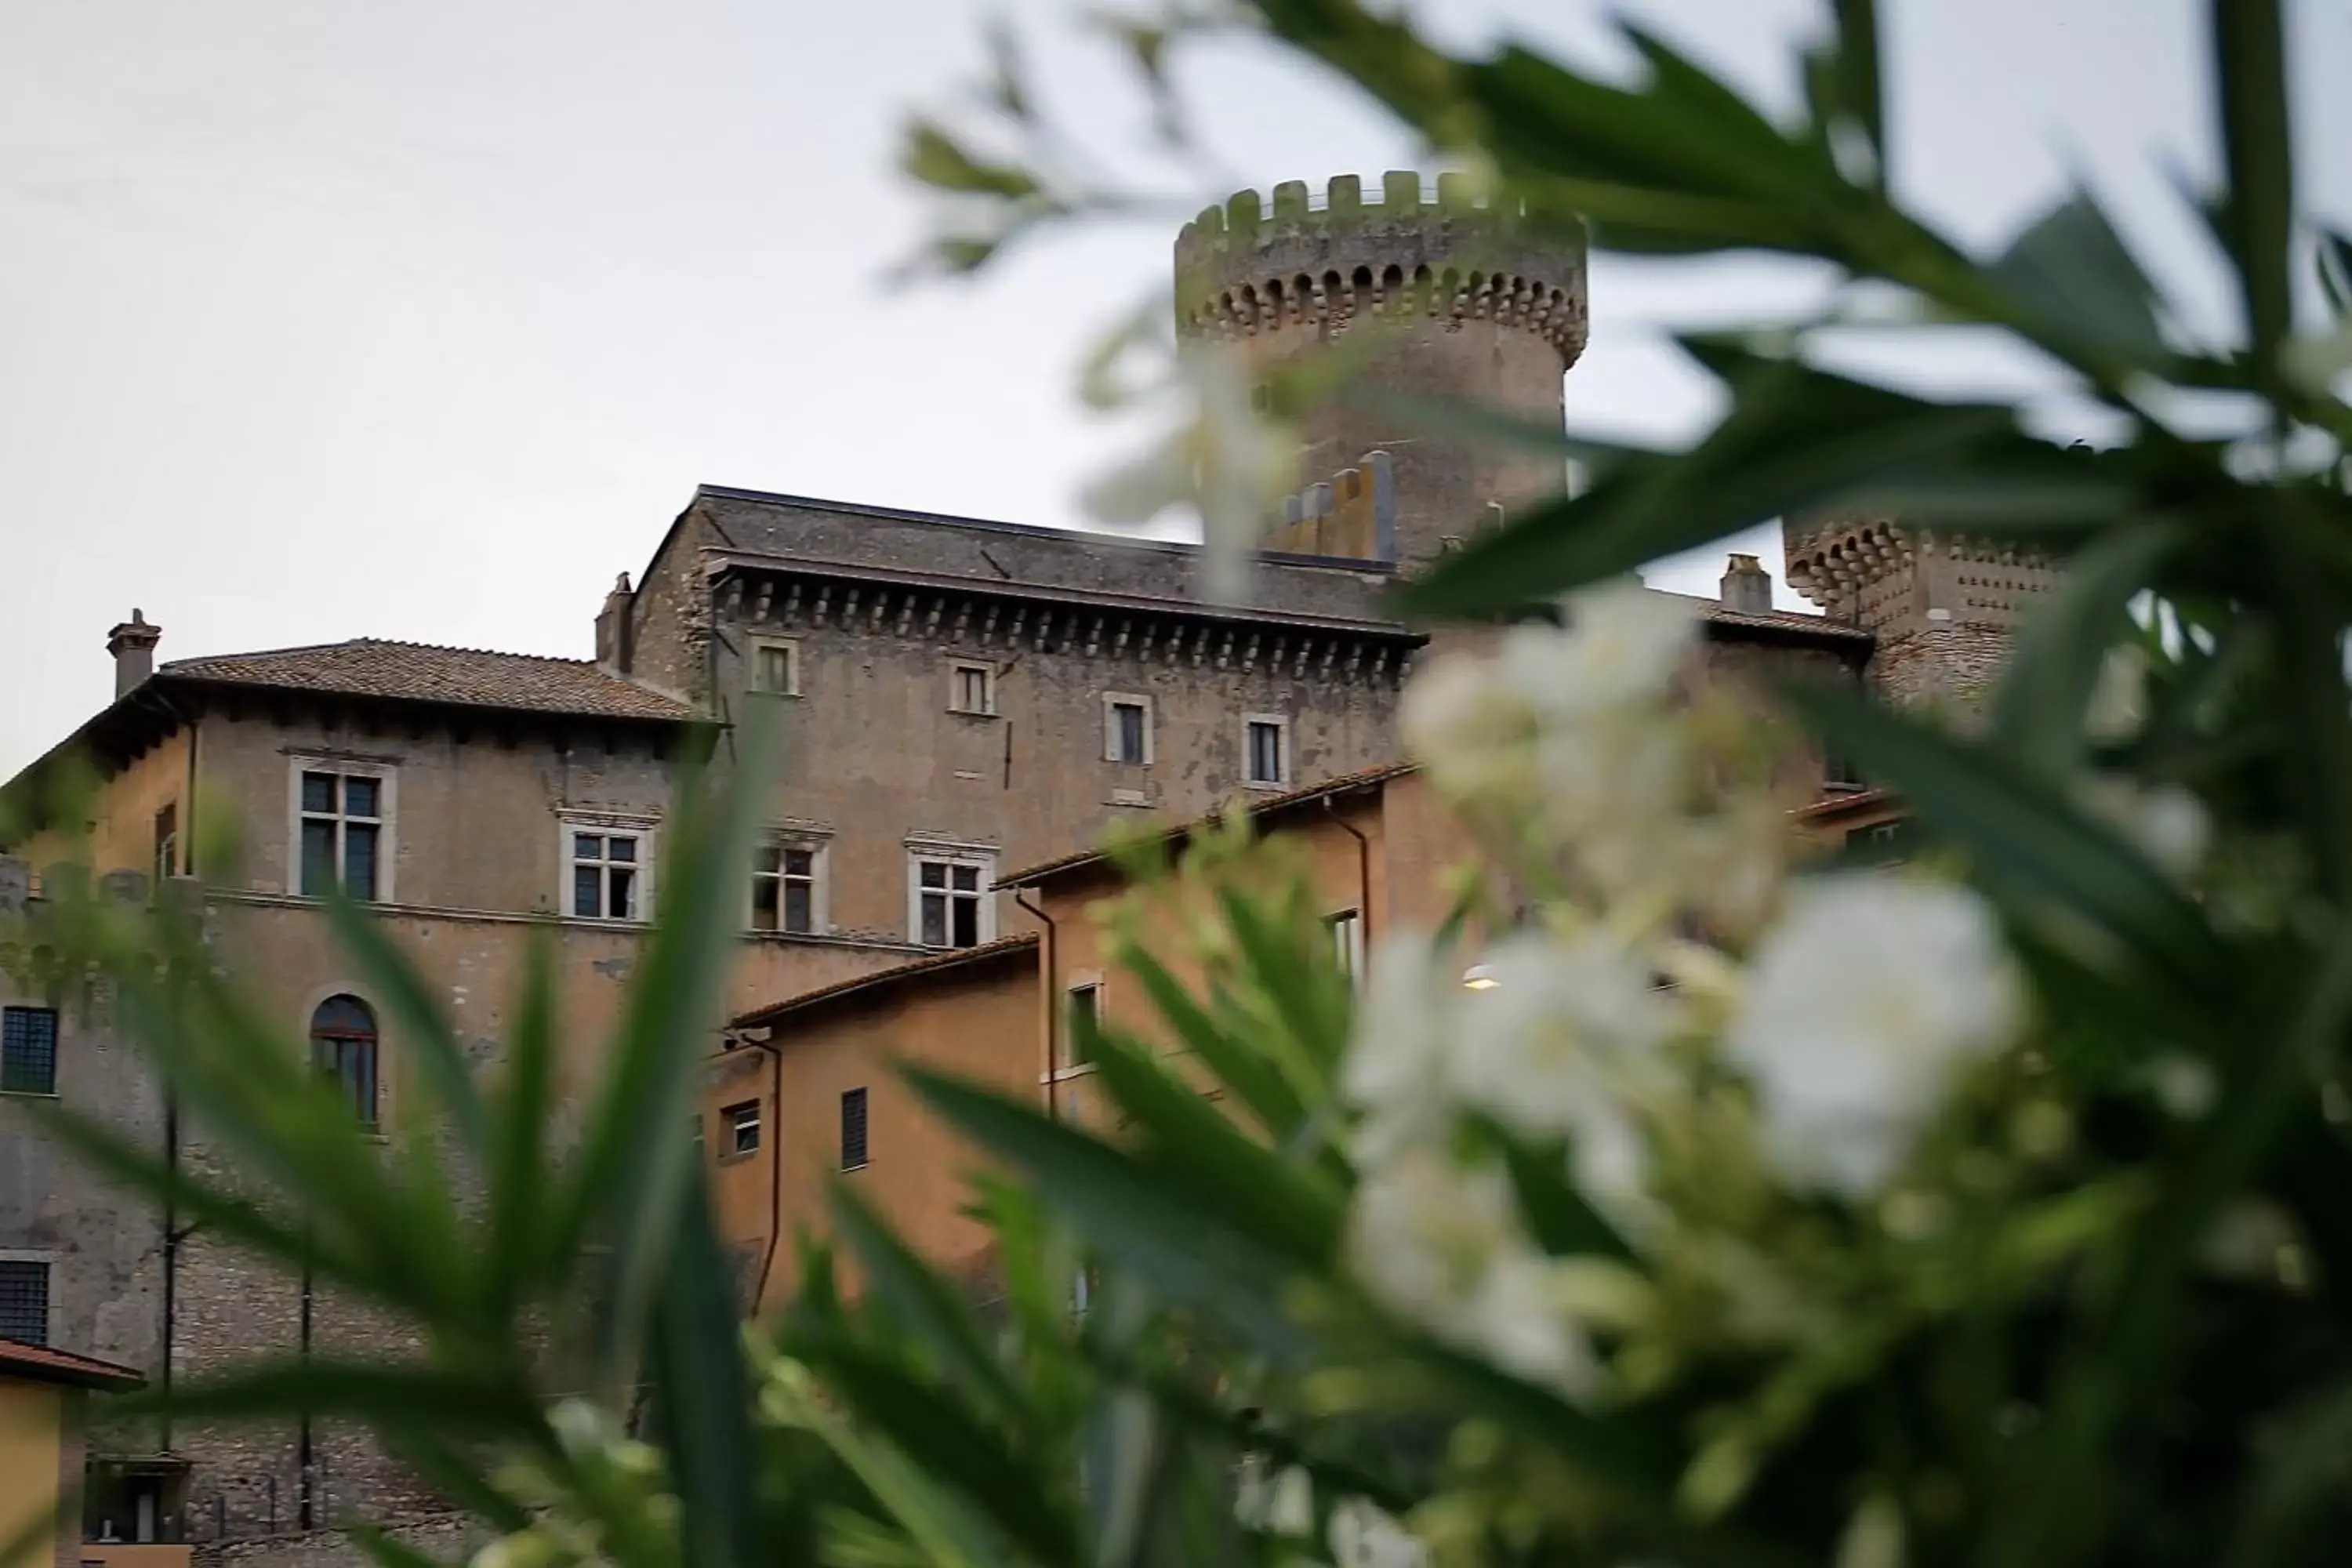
x: 925, y: 1307
x: 1233, y: 1061
x: 2303, y: 1469
x: 448, y: 1402
x: 383, y: 1549
x: 2249, y: 63
x: 1857, y: 74
x: 518, y: 1151
x: 2072, y: 276
x: 2041, y: 857
x: 2046, y: 692
x: 1130, y: 1212
x: 701, y: 1396
x: 2311, y: 620
x: 1562, y: 1223
x: 2332, y: 265
x: 424, y: 1029
x: 930, y: 156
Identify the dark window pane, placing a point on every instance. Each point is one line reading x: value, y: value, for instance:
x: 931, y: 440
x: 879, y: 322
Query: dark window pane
x: 799, y: 906
x: 587, y: 891
x: 343, y: 1015
x: 933, y: 874
x: 767, y: 858
x: 763, y: 903
x: 343, y: 1048
x: 742, y: 1127
x: 28, y: 1050
x: 167, y: 841
x: 621, y: 896
x: 967, y: 922
x: 317, y: 857
x: 619, y: 848
x: 25, y: 1301
x: 358, y: 860
x: 853, y: 1129
x: 587, y: 846
x: 360, y: 797
x: 967, y: 878
x: 1131, y: 730
x: 800, y: 863
x: 319, y: 791
x: 934, y: 920
x: 1265, y: 754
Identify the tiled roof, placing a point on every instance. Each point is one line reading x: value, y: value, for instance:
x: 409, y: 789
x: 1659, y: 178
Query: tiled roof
x: 422, y: 672
x: 41, y: 1363
x: 1346, y: 783
x: 955, y: 958
x: 1714, y: 611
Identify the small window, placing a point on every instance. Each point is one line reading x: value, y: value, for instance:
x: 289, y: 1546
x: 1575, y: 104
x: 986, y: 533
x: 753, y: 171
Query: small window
x: 1085, y: 1020
x: 971, y: 688
x: 1887, y: 843
x: 951, y: 902
x: 1839, y: 772
x: 1347, y: 942
x: 28, y: 1050
x: 1267, y: 743
x: 343, y: 1050
x: 342, y: 830
x: 25, y: 1300
x: 698, y: 1131
x: 743, y: 1124
x: 167, y: 845
x: 776, y: 669
x: 784, y: 888
x: 853, y: 1129
x: 1126, y: 730
x: 605, y: 876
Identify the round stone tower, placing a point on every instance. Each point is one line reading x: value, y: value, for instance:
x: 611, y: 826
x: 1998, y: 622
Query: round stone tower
x: 1447, y: 300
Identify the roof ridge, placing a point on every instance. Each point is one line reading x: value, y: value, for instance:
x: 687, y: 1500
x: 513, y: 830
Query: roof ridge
x: 390, y: 643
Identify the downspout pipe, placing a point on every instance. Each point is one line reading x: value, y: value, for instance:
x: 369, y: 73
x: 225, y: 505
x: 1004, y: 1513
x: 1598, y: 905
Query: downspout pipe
x: 775, y: 1143
x: 1363, y: 874
x: 1053, y: 1007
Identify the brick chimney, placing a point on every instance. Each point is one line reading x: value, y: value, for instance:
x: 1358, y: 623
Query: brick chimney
x: 613, y: 649
x: 132, y: 643
x: 1747, y: 586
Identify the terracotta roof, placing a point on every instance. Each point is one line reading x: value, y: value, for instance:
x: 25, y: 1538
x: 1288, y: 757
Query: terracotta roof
x: 1832, y: 806
x: 955, y: 958
x: 1346, y: 783
x: 422, y: 672
x: 1715, y: 612
x: 42, y: 1364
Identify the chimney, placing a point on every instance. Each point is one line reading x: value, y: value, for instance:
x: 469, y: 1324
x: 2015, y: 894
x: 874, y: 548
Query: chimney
x: 613, y: 628
x: 1747, y: 586
x: 132, y: 643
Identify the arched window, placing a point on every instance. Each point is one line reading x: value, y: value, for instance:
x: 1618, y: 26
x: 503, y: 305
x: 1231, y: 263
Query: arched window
x: 342, y: 1045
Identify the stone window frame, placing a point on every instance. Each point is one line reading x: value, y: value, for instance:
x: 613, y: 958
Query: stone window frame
x: 50, y: 1262
x: 1286, y: 767
x: 1347, y: 929
x: 952, y: 852
x: 645, y: 828
x: 1111, y: 703
x: 957, y: 667
x: 818, y: 843
x: 1092, y: 983
x: 791, y: 648
x: 387, y: 834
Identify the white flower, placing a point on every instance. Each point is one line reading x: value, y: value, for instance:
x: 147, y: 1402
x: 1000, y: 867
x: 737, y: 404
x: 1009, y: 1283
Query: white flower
x: 2167, y: 824
x: 1863, y: 999
x: 1442, y: 1247
x: 1552, y: 1047
x: 1395, y: 1066
x: 1364, y: 1536
x: 1624, y: 646
x: 1471, y: 731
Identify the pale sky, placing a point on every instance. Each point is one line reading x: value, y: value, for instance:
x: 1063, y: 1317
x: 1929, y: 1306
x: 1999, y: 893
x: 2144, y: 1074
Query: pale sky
x: 333, y: 318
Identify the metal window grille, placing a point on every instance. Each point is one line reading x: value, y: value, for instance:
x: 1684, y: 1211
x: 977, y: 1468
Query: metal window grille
x: 28, y: 1050
x: 853, y: 1129
x: 25, y: 1301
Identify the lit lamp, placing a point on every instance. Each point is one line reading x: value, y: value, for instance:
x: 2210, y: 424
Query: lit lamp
x: 1479, y: 977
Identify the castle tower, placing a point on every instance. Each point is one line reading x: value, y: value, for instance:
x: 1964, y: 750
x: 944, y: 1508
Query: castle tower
x: 1944, y: 606
x: 1444, y: 301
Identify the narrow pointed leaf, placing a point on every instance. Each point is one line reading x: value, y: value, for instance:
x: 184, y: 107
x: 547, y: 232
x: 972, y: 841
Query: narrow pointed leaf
x: 2074, y: 276
x: 424, y: 1028
x: 2258, y: 217
x: 702, y: 1397
x: 2046, y: 692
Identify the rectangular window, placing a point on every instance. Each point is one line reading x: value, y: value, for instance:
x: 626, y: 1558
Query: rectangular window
x: 605, y: 876
x: 24, y: 1301
x: 971, y: 688
x: 1347, y: 942
x: 743, y: 1124
x: 1085, y: 1020
x: 776, y: 669
x: 343, y: 829
x: 1267, y: 742
x: 1126, y: 730
x: 950, y: 903
x: 784, y: 888
x: 167, y: 845
x: 28, y: 1050
x: 853, y: 1129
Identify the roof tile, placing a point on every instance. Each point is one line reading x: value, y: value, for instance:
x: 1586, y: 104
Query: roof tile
x: 422, y: 672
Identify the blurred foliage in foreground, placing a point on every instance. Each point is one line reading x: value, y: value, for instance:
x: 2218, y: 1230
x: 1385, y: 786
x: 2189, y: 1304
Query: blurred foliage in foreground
x: 1983, y: 1214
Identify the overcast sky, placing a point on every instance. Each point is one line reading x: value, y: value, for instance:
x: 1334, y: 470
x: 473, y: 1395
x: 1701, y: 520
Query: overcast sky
x: 333, y: 318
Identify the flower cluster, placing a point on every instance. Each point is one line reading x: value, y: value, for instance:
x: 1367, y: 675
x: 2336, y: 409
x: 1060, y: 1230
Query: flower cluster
x: 1847, y: 1006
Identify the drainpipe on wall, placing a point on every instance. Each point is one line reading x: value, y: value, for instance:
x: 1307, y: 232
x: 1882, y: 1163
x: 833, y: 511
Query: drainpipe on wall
x: 1363, y: 877
x: 775, y: 1149
x: 1053, y: 1007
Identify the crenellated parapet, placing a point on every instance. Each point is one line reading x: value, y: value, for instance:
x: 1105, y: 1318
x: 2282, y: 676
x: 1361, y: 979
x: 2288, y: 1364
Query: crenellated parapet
x: 1250, y: 269
x: 1352, y: 515
x: 1882, y: 575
